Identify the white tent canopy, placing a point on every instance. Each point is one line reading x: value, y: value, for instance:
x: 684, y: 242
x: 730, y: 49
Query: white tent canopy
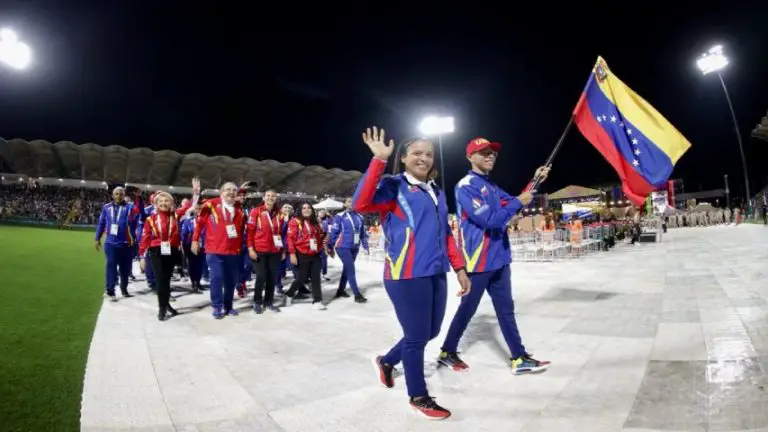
x: 329, y: 204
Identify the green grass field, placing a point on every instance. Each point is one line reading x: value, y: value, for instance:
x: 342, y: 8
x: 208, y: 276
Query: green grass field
x: 50, y: 295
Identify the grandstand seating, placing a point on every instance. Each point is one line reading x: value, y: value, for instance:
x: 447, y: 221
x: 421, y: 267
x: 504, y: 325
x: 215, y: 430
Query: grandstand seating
x: 117, y: 164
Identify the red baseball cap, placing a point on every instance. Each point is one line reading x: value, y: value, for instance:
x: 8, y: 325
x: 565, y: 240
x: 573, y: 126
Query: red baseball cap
x: 480, y: 144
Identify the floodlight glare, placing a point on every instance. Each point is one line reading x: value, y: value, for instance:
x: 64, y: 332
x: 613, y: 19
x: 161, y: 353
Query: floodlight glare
x: 712, y: 61
x: 434, y: 125
x: 14, y: 53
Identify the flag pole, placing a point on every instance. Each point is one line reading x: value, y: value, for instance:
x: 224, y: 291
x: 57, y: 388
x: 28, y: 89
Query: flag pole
x: 534, y: 184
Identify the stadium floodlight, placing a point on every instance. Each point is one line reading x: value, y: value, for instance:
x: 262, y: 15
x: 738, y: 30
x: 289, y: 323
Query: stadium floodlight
x: 712, y: 61
x: 13, y: 52
x: 715, y: 61
x: 434, y: 125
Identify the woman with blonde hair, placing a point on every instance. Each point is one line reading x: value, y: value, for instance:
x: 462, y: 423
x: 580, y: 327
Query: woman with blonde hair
x: 161, y: 240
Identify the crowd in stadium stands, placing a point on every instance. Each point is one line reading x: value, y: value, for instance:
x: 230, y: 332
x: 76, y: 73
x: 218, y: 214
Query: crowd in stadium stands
x: 51, y: 203
x: 54, y: 203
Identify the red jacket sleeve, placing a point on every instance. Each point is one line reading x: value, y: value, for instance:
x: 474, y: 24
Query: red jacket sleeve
x: 202, y: 221
x: 250, y: 228
x: 292, y: 236
x: 454, y: 257
x: 372, y: 194
x: 183, y: 209
x: 146, y: 239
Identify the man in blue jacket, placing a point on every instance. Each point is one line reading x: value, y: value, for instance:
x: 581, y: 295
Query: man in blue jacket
x: 483, y: 210
x: 348, y: 233
x: 118, y: 221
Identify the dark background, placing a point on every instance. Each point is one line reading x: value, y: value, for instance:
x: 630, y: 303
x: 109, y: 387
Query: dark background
x: 300, y: 84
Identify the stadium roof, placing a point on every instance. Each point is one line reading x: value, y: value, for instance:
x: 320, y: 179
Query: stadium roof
x: 117, y: 164
x: 761, y: 131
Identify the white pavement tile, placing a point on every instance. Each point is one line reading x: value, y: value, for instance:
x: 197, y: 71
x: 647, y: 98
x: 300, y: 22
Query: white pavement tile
x: 698, y: 296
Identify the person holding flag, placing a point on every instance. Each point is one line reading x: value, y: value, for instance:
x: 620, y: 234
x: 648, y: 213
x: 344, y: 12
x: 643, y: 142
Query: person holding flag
x: 484, y: 210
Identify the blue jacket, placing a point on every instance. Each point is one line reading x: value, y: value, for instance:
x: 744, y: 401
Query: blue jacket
x: 419, y: 240
x: 187, y: 228
x: 343, y: 229
x: 484, y: 210
x: 126, y: 217
x: 148, y: 211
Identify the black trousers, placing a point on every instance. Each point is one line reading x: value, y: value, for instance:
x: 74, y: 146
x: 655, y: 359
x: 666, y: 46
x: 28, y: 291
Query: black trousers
x: 162, y: 267
x: 266, y: 268
x: 308, y: 265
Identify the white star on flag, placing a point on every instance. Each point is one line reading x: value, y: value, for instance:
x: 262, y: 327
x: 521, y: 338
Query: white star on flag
x: 635, y: 162
x: 613, y: 119
x: 621, y: 124
x: 629, y: 131
x: 599, y: 119
x: 634, y: 141
x: 637, y: 152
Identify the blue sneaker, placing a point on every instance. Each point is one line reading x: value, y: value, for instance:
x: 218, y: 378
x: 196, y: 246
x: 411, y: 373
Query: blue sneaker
x: 273, y: 308
x: 528, y: 364
x: 257, y: 308
x: 233, y: 312
x: 218, y: 313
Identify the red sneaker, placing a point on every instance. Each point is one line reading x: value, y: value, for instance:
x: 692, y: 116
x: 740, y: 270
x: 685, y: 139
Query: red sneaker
x: 428, y: 408
x: 384, y: 371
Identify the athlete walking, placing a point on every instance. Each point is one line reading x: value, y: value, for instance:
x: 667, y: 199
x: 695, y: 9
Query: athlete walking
x: 484, y: 210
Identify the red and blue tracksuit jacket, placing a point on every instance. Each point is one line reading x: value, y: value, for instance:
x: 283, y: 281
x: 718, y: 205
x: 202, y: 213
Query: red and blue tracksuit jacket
x: 126, y: 217
x: 419, y: 240
x: 484, y: 210
x: 343, y: 229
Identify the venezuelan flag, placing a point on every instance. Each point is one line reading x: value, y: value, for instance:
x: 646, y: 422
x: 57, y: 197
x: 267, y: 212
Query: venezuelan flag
x: 640, y: 144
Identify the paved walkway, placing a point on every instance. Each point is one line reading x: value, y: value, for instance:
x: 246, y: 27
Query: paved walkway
x: 669, y: 336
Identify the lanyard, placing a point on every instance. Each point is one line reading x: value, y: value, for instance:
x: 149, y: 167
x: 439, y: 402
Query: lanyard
x: 310, y: 233
x: 228, y: 217
x: 119, y: 213
x: 159, y: 224
x: 272, y: 225
x: 352, y: 222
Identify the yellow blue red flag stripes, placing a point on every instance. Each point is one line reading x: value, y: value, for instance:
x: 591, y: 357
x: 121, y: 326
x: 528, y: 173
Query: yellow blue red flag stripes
x: 640, y: 144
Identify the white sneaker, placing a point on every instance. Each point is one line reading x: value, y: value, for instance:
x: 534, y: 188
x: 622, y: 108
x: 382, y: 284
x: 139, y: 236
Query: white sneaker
x: 319, y: 306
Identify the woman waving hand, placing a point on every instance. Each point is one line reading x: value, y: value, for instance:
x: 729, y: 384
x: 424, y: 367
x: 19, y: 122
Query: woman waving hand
x: 420, y: 252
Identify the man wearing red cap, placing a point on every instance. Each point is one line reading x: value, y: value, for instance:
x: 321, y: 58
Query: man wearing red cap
x: 483, y: 210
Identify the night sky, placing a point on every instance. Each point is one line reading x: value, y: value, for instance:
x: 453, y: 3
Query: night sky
x: 301, y: 85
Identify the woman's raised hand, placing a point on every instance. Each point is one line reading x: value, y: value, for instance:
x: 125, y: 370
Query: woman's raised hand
x: 375, y: 140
